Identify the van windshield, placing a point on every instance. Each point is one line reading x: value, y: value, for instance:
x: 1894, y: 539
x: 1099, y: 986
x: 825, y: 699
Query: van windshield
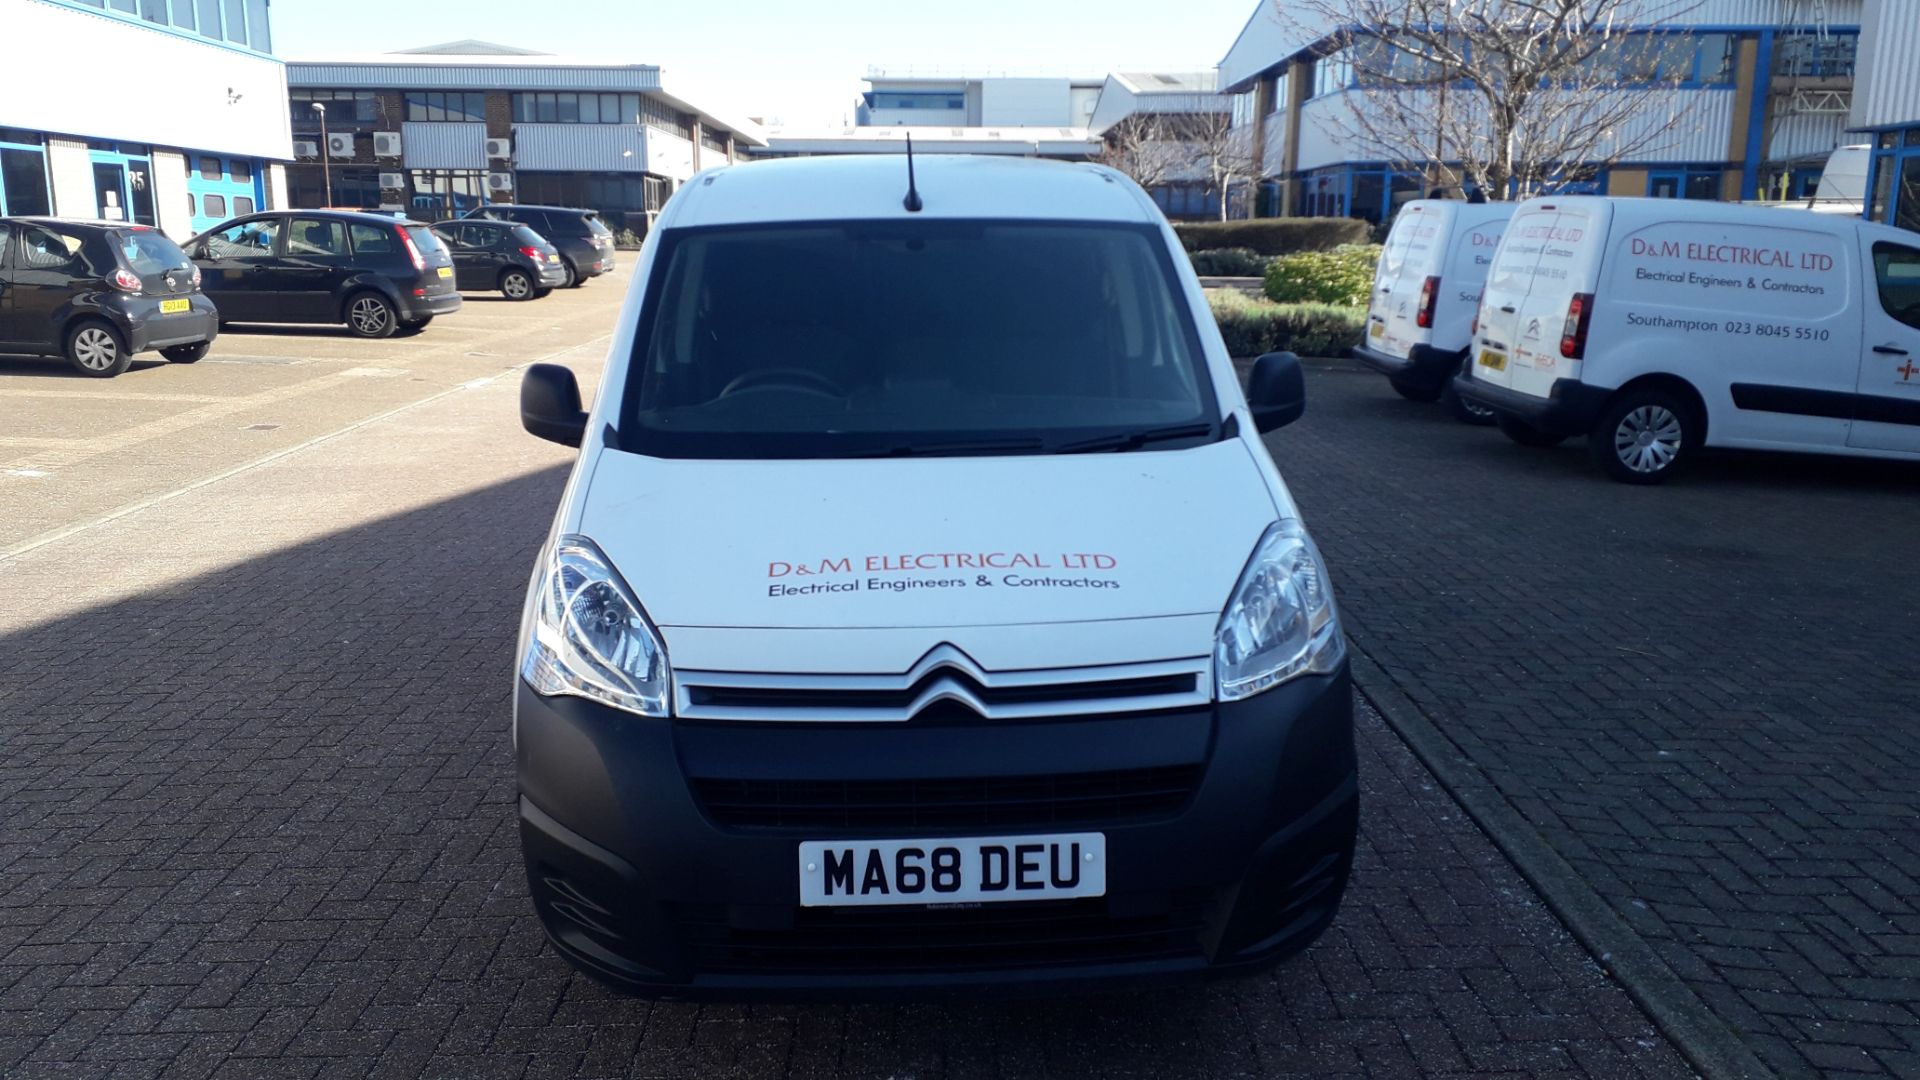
x: 896, y: 338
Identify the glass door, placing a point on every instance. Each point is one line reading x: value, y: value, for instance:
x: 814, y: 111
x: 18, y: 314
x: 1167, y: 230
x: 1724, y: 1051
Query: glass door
x: 110, y: 191
x: 140, y: 191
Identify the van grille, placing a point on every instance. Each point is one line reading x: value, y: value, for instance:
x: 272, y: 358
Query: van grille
x: 1089, y: 798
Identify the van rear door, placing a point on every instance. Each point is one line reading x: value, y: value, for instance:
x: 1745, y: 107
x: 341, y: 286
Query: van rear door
x: 1550, y: 254
x: 1415, y: 251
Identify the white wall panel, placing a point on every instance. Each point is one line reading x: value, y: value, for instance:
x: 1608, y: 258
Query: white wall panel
x: 1887, y: 86
x: 103, y: 78
x: 1808, y: 136
x: 582, y: 147
x: 669, y: 154
x: 277, y: 186
x: 72, y: 174
x: 170, y: 194
x: 1026, y: 103
x: 428, y: 145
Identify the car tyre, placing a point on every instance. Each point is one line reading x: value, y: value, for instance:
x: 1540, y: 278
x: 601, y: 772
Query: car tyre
x: 95, y: 348
x: 516, y: 285
x: 408, y: 329
x: 1645, y: 435
x: 187, y: 354
x: 1415, y: 391
x: 1467, y: 412
x: 543, y: 292
x: 1526, y: 434
x: 370, y: 315
x: 573, y: 276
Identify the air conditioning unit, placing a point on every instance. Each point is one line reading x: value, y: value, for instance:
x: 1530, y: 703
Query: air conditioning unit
x: 386, y: 144
x: 340, y: 145
x: 499, y: 181
x: 499, y: 149
x: 392, y: 181
x: 304, y: 148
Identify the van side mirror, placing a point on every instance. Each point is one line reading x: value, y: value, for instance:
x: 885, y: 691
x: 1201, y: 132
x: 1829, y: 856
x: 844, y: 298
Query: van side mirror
x: 550, y: 405
x: 1276, y: 391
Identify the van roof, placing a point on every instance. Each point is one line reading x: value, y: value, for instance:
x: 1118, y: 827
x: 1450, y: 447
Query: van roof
x: 1698, y: 210
x: 872, y: 186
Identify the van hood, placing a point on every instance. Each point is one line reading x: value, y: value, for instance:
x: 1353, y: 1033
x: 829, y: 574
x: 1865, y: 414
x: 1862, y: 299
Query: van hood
x: 922, y: 542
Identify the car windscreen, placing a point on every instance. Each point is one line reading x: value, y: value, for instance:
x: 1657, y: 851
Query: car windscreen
x: 936, y: 337
x: 426, y: 240
x: 149, y: 253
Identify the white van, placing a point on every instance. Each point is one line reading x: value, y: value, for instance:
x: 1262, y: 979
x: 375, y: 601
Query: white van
x: 924, y: 610
x: 1658, y: 326
x: 1425, y: 291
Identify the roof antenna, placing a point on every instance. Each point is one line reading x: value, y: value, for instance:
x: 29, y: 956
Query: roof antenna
x: 912, y: 201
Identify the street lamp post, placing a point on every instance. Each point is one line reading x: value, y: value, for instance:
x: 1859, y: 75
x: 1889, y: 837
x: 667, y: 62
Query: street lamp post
x: 326, y: 167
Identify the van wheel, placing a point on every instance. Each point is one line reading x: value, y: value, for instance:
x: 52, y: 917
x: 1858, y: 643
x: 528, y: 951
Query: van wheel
x: 186, y: 354
x: 370, y: 316
x: 1526, y: 434
x: 1645, y: 436
x: 1467, y: 412
x: 1414, y: 391
x: 95, y: 348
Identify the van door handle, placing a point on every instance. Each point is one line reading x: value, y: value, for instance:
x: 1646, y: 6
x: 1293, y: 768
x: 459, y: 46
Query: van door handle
x: 1507, y: 310
x: 1889, y: 350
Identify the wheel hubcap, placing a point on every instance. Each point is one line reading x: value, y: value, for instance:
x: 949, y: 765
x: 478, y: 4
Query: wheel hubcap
x: 369, y: 315
x: 1474, y: 408
x: 94, y: 348
x: 1648, y: 439
x: 516, y: 286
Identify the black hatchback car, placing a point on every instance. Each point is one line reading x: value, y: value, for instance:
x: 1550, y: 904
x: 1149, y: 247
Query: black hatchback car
x: 502, y: 255
x: 585, y: 242
x: 99, y: 292
x: 378, y: 275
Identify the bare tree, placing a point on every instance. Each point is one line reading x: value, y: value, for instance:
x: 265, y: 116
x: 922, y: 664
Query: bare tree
x: 1216, y: 154
x: 1142, y: 147
x: 1509, y: 95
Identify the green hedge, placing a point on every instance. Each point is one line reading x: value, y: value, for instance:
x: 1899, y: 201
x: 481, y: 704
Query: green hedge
x: 1228, y: 262
x: 1251, y: 327
x: 1341, y: 276
x: 1272, y: 236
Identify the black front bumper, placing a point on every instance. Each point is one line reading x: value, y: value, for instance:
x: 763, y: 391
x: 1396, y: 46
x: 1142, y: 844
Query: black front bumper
x: 1570, y: 407
x: 645, y: 878
x: 1424, y: 365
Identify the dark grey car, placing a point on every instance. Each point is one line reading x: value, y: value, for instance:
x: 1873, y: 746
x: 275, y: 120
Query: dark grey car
x: 585, y: 242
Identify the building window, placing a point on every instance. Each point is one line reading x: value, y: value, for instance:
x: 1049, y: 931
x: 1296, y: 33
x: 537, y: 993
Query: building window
x: 210, y: 168
x: 572, y: 108
x: 435, y: 106
x: 23, y: 180
x: 658, y: 113
x: 1686, y: 183
x: 241, y: 204
x: 354, y: 187
x: 347, y: 110
x: 241, y: 170
x: 1674, y: 58
x: 216, y: 205
x: 239, y: 22
x: 1811, y: 56
x: 888, y: 99
x: 715, y: 141
x: 439, y: 194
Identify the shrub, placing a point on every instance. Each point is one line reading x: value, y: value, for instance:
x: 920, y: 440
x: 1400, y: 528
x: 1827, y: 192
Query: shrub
x: 1251, y: 327
x: 1272, y: 236
x: 1228, y: 262
x: 1341, y: 276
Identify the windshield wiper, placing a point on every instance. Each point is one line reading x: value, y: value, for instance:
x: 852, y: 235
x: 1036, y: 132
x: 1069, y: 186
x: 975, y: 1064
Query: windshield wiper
x: 1133, y: 440
x: 954, y: 447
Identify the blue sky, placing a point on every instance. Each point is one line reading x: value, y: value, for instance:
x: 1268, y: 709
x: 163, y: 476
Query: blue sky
x: 797, y: 60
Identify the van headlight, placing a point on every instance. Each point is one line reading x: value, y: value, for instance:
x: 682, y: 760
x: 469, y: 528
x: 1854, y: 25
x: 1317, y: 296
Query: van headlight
x: 590, y: 637
x: 1280, y: 621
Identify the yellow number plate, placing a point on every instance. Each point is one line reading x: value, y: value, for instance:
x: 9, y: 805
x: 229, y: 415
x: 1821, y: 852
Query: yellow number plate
x: 1495, y: 361
x: 174, y: 307
x: 1377, y: 330
x: 446, y: 271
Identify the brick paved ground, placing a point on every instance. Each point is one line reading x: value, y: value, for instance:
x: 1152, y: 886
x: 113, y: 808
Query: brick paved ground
x: 259, y: 824
x: 1703, y: 696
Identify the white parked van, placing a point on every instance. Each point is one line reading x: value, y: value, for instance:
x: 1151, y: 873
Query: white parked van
x: 1425, y: 292
x: 924, y: 610
x: 1658, y: 326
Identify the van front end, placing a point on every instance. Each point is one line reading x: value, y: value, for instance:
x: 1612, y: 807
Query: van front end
x: 661, y: 854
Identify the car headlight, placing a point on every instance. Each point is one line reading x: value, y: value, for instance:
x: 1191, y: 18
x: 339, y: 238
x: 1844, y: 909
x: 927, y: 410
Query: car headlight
x: 590, y: 637
x: 1280, y: 621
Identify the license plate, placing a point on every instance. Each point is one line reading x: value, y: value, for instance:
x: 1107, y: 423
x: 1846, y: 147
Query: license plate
x: 446, y: 271
x: 175, y: 307
x: 553, y: 258
x: 1493, y: 361
x: 957, y: 870
x: 1377, y: 330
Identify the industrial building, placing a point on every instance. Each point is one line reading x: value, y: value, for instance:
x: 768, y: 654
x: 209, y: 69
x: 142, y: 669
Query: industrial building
x: 1764, y: 88
x: 210, y: 146
x: 1886, y: 108
x: 439, y: 130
